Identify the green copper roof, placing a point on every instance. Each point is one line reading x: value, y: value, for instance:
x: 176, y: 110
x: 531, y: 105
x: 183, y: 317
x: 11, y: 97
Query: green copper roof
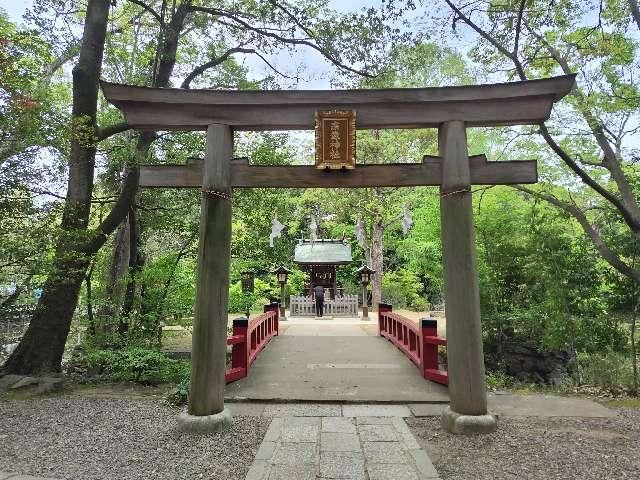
x: 322, y: 251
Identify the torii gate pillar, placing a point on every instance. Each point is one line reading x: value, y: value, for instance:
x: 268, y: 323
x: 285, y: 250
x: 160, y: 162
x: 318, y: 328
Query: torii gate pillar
x: 467, y: 411
x: 206, y: 412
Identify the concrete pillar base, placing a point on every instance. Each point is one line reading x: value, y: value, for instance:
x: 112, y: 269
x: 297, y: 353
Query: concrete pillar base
x: 468, y: 424
x: 205, y: 423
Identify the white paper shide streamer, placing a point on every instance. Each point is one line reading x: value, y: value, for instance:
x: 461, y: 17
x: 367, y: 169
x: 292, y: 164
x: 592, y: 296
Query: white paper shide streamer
x: 360, y: 233
x: 276, y: 230
x: 314, y: 229
x: 406, y: 221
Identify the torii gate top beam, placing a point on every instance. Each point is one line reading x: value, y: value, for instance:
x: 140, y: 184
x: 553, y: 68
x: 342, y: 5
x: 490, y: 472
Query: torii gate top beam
x: 514, y: 103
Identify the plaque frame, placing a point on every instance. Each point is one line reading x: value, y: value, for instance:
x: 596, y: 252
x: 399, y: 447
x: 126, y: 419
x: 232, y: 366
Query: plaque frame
x: 341, y: 115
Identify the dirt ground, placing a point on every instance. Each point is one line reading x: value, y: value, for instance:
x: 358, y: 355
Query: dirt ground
x: 538, y: 448
x: 93, y: 438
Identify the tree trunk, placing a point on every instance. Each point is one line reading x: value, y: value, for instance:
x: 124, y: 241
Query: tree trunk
x: 167, y: 56
x: 136, y: 261
x: 377, y: 262
x: 117, y: 271
x: 635, y: 12
x: 40, y: 350
x: 88, y: 285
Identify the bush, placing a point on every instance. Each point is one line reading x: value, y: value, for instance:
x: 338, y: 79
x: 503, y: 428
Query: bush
x: 239, y: 301
x: 136, y: 364
x: 180, y: 393
x: 611, y: 370
x: 298, y: 280
x: 402, y: 290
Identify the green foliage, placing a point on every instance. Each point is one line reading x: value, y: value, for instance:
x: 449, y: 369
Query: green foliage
x: 136, y: 364
x: 239, y: 301
x: 498, y: 380
x: 242, y: 302
x: 609, y: 370
x: 402, y: 289
x: 538, y: 281
x: 297, y: 281
x: 541, y: 280
x: 179, y: 395
x: 170, y: 289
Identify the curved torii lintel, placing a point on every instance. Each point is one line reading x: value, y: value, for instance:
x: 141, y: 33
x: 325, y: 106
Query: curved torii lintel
x: 513, y: 103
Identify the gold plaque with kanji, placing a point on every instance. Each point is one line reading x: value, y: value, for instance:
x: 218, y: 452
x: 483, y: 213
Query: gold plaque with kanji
x: 336, y: 139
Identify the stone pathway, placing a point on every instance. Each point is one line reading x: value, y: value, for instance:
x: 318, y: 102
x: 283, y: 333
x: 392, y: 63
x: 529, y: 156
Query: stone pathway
x: 354, y: 442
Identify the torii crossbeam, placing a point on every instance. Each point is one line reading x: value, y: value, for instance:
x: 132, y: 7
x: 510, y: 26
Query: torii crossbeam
x: 450, y: 109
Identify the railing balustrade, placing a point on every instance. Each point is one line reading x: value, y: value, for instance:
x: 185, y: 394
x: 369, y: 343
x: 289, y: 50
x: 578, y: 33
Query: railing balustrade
x: 344, y: 306
x: 248, y: 339
x: 418, y: 342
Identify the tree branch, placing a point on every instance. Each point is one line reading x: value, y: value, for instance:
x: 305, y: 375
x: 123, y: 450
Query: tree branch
x: 291, y: 41
x: 628, y: 206
x: 218, y: 60
x: 516, y: 42
x: 117, y: 213
x: 106, y: 132
x: 149, y: 9
x: 629, y: 219
x: 607, y: 254
x: 496, y: 44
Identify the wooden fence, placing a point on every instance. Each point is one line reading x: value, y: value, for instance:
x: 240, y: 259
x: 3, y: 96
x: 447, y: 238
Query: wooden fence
x: 419, y: 342
x: 344, y: 306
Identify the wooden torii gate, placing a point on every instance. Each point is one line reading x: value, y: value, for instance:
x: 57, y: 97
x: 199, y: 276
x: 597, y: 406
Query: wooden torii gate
x: 450, y: 109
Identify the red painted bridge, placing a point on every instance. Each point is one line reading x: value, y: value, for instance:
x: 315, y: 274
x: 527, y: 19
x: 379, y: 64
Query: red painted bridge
x: 388, y: 359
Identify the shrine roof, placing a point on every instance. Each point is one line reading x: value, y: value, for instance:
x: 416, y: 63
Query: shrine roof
x: 322, y: 251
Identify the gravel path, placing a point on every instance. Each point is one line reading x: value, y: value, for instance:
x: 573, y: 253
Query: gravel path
x: 538, y: 448
x: 124, y: 439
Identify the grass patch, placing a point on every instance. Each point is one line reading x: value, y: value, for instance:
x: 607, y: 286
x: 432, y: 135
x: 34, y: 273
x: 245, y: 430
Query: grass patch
x: 626, y: 402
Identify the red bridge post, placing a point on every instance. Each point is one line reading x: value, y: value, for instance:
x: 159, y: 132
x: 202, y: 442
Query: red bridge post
x: 239, y: 350
x: 382, y: 323
x: 429, y: 328
x: 273, y: 307
x: 430, y: 340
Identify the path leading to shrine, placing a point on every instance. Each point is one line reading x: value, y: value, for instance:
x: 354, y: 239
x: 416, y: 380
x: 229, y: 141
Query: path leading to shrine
x: 334, y: 360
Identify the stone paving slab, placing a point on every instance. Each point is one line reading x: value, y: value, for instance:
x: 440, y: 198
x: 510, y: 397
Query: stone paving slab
x: 376, y: 411
x: 303, y: 410
x: 339, y: 442
x: 338, y: 425
x: 319, y: 448
x: 246, y: 409
x: 342, y: 465
x: 528, y: 406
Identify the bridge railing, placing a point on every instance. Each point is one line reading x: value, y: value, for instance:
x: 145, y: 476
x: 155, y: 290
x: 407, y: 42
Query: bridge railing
x: 249, y: 337
x: 419, y: 342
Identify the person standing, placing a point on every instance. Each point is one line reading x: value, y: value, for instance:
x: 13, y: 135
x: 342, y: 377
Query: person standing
x: 318, y: 292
